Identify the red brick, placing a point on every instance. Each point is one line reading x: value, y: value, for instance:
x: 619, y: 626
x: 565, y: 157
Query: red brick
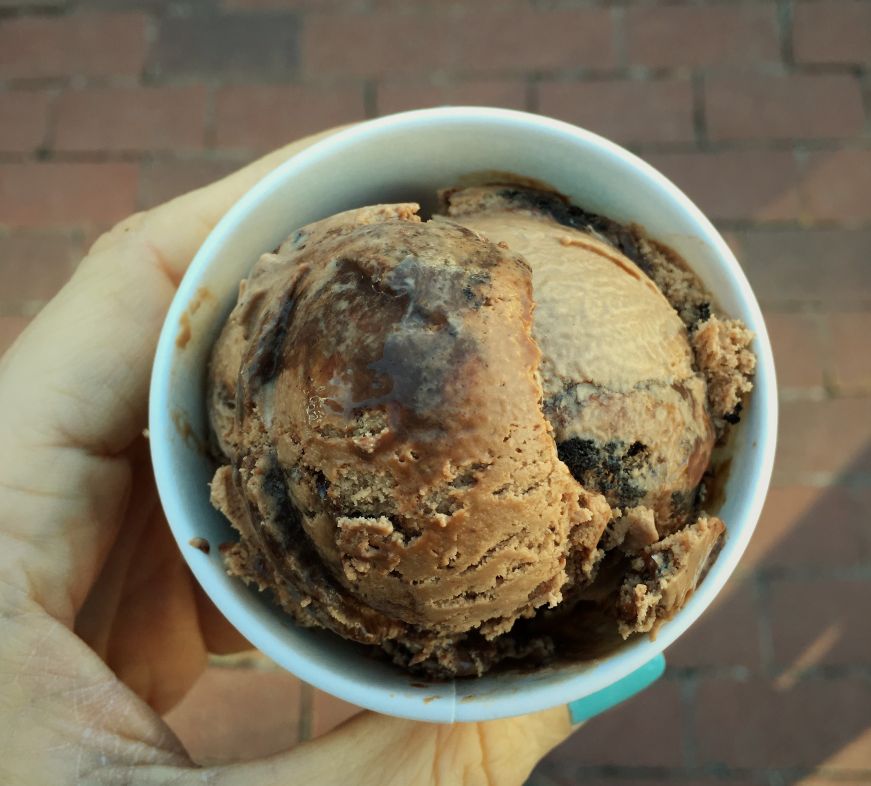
x: 835, y: 781
x: 344, y: 6
x: 813, y: 723
x: 491, y: 40
x: 627, y: 111
x: 800, y: 106
x: 546, y: 775
x: 833, y: 435
x: 797, y: 345
x: 10, y: 329
x: 756, y: 185
x: 329, y: 712
x: 81, y: 44
x: 804, y: 526
x: 837, y: 186
x: 264, y: 716
x: 40, y: 5
x: 34, y: 266
x: 147, y: 6
x: 263, y: 117
x: 820, y: 623
x: 643, y: 732
x: 160, y: 181
x: 66, y: 194
x: 23, y: 120
x: 400, y: 96
x: 455, y: 6
x: 131, y: 119
x: 838, y: 780
x: 726, y: 635
x: 667, y: 36
x: 233, y: 45
x: 825, y: 266
x: 851, y: 349
x: 832, y: 31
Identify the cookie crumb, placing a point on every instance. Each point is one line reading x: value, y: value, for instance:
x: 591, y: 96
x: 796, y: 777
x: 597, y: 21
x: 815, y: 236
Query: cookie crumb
x: 722, y: 349
x: 665, y: 574
x: 200, y: 543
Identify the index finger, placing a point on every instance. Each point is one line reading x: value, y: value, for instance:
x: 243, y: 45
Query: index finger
x: 175, y: 230
x: 79, y: 375
x: 74, y: 390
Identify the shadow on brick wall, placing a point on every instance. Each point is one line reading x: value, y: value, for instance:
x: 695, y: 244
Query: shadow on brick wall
x: 772, y: 685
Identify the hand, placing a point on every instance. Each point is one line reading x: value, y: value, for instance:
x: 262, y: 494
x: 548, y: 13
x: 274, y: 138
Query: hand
x: 102, y: 627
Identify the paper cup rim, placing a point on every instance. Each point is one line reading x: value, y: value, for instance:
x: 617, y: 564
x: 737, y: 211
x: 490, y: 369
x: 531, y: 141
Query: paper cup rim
x: 523, y: 698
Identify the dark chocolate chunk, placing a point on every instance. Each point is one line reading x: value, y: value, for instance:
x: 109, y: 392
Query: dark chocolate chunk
x: 735, y: 415
x: 607, y: 469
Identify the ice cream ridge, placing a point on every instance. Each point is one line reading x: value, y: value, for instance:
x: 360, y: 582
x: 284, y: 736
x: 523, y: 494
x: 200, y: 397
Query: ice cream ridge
x: 471, y: 440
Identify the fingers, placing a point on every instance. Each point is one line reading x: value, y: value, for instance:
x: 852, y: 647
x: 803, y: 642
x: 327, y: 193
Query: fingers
x: 78, y: 376
x: 219, y: 636
x: 73, y: 390
x: 375, y: 749
x: 380, y: 750
x: 170, y: 234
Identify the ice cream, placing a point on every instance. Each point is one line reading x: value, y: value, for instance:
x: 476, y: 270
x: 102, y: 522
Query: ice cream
x: 621, y: 392
x: 439, y: 437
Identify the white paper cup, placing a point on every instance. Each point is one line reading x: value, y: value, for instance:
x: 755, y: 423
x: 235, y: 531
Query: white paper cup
x: 406, y: 157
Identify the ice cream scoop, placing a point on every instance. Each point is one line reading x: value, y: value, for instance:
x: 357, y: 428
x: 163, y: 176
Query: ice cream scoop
x: 429, y: 431
x: 391, y: 472
x: 621, y: 390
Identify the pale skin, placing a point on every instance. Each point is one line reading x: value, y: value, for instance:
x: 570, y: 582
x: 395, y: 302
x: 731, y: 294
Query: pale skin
x: 102, y: 627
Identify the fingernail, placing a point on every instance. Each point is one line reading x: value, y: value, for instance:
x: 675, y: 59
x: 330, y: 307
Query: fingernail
x: 596, y: 703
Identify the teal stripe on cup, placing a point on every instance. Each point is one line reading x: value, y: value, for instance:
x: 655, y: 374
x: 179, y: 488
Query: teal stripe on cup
x: 597, y: 703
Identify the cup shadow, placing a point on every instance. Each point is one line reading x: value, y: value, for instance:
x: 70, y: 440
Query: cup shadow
x: 773, y: 683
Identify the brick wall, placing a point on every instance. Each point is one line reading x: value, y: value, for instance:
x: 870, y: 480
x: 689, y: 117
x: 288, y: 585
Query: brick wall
x: 759, y: 109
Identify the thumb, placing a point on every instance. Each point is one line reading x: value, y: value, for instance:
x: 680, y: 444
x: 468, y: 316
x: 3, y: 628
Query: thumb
x: 377, y: 749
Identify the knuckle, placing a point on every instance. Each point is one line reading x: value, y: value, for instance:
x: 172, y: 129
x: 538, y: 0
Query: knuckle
x: 123, y: 230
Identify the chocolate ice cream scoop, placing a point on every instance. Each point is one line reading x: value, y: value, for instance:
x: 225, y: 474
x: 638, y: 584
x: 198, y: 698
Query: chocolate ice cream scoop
x: 393, y: 476
x: 620, y: 389
x: 455, y: 439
